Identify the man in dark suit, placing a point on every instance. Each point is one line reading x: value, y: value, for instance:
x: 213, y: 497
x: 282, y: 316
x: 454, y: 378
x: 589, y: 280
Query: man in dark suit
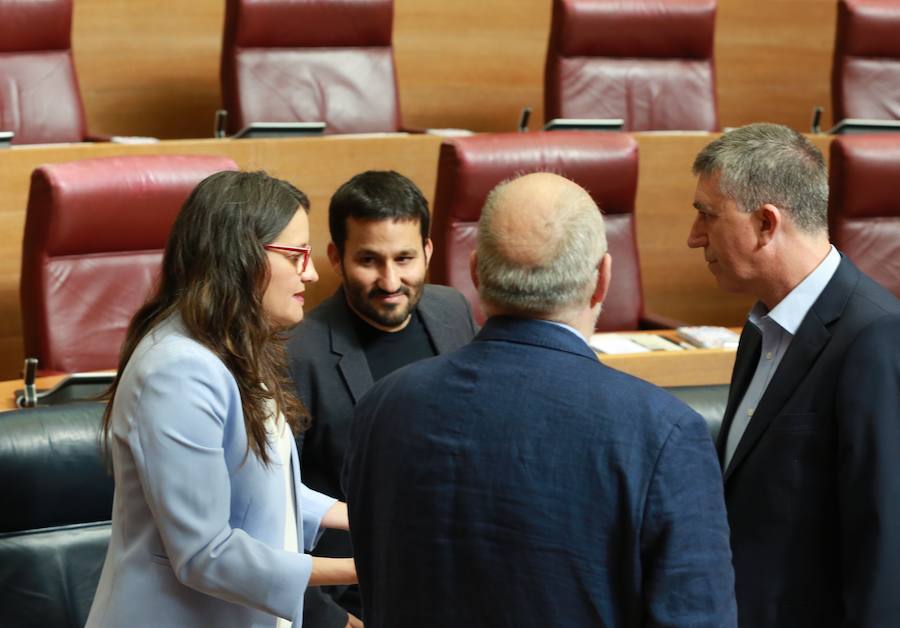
x: 382, y: 317
x: 810, y: 442
x: 520, y: 482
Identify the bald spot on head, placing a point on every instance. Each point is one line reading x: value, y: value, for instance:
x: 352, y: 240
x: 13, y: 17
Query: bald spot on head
x: 530, y: 212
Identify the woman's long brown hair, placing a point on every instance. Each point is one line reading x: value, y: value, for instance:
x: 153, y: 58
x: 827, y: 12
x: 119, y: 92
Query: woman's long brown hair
x: 214, y: 274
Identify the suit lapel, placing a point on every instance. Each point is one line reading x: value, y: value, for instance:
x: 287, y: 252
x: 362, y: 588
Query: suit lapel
x: 811, y: 338
x: 439, y: 329
x: 352, y: 362
x: 744, y: 366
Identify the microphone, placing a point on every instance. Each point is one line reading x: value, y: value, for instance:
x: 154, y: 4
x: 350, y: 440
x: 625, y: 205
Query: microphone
x: 817, y: 118
x: 221, y: 119
x: 29, y: 397
x: 523, y: 119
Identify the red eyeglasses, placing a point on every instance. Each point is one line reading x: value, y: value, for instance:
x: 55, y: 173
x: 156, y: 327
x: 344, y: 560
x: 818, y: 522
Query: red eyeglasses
x: 299, y: 255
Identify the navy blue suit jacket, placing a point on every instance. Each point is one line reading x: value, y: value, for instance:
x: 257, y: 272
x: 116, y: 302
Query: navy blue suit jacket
x: 519, y: 482
x: 813, y: 488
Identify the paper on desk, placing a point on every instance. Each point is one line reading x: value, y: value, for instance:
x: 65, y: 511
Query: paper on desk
x: 709, y: 336
x: 654, y: 342
x: 613, y: 343
x: 133, y: 139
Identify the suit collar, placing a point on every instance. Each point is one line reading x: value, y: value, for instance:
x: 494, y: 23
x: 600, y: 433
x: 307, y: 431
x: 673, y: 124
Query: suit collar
x: 534, y: 332
x: 811, y: 338
x: 790, y: 312
x: 745, y: 362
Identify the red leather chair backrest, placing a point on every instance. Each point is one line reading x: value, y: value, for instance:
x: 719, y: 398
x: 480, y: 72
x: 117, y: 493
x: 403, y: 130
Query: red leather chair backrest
x: 605, y: 164
x: 865, y: 75
x: 864, y: 207
x: 94, y: 234
x: 310, y: 61
x: 39, y: 96
x: 645, y: 61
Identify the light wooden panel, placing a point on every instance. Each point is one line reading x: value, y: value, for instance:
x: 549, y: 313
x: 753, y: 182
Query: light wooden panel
x: 471, y: 64
x: 773, y: 60
x: 151, y: 67
x: 697, y: 367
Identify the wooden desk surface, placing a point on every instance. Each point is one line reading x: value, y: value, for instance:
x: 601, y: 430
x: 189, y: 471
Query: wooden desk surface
x: 691, y: 367
x: 697, y: 367
x: 8, y: 389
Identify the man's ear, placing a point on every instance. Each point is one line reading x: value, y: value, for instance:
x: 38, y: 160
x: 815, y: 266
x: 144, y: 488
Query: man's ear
x: 770, y: 221
x: 334, y: 256
x: 473, y: 267
x: 429, y: 249
x: 604, y: 274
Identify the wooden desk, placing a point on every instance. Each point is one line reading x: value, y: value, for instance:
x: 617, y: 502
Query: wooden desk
x: 698, y: 367
x: 8, y: 389
x: 691, y: 367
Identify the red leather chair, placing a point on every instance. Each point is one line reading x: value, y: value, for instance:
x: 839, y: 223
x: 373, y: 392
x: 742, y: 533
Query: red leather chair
x: 94, y: 234
x: 310, y: 61
x: 645, y: 61
x: 863, y: 206
x: 605, y: 164
x: 39, y: 96
x: 865, y: 75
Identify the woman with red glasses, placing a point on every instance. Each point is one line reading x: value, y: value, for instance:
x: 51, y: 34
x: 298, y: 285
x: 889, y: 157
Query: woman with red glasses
x: 210, y: 520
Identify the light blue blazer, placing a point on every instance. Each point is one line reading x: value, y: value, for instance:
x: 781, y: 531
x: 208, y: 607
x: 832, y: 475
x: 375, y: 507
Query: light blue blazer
x: 198, y: 523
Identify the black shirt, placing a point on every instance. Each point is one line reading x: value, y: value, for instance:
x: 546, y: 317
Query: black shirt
x: 388, y: 351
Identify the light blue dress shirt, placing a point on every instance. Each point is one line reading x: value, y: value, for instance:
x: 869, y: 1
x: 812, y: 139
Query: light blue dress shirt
x: 777, y: 327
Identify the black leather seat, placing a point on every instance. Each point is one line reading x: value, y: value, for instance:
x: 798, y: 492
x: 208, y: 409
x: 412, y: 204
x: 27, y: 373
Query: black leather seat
x: 55, y: 519
x: 708, y: 401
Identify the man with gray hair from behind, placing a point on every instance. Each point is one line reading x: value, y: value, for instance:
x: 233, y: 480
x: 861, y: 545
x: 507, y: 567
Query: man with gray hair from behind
x: 811, y: 435
x: 518, y: 481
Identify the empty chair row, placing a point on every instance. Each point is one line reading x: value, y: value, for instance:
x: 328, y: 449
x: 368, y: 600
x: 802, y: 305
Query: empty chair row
x: 649, y: 63
x: 329, y: 61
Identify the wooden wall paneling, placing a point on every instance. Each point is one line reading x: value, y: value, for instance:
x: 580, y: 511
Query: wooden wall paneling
x: 149, y: 67
x: 471, y: 64
x: 773, y: 61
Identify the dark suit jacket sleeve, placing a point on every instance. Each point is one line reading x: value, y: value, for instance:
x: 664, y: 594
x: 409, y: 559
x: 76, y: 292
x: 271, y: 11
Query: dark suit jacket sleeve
x: 868, y: 475
x: 685, y: 554
x: 321, y: 611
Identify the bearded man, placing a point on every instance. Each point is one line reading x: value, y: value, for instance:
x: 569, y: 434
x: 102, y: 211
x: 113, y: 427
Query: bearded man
x: 382, y: 317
